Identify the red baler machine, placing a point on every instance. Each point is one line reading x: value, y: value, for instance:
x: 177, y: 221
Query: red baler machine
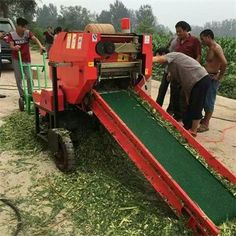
x: 106, y: 75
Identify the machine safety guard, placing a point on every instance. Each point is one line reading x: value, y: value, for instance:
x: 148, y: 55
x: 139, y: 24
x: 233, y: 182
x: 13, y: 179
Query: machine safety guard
x: 26, y: 103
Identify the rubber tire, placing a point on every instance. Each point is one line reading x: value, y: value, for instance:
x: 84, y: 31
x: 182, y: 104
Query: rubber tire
x: 64, y: 157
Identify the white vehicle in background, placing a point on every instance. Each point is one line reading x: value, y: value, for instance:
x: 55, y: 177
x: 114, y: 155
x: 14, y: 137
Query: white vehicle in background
x: 6, y: 26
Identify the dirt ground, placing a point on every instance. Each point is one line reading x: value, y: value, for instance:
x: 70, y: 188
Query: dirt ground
x: 220, y: 140
x: 15, y: 181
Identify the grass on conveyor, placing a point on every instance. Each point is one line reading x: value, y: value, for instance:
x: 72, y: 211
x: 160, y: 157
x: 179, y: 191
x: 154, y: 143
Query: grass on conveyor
x: 202, y: 187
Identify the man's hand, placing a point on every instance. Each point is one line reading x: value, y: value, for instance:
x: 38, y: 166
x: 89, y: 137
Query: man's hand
x: 17, y: 47
x: 159, y: 59
x: 217, y: 76
x: 42, y: 50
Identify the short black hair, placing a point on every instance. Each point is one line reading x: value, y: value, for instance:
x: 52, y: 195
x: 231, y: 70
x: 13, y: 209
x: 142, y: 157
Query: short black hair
x: 184, y: 25
x: 207, y: 32
x: 162, y: 51
x: 58, y: 30
x: 21, y: 22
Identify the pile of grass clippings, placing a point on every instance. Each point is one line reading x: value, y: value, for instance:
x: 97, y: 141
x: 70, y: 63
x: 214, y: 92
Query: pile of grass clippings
x: 107, y: 195
x: 18, y: 134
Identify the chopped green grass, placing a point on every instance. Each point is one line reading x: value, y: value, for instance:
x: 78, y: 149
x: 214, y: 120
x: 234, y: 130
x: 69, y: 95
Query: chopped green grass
x: 107, y: 195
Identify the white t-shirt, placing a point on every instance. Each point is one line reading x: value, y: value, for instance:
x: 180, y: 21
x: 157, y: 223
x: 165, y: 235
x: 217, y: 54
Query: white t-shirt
x: 185, y: 69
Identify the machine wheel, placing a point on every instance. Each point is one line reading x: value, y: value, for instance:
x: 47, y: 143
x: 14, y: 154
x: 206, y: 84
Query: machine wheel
x: 21, y: 104
x: 64, y: 155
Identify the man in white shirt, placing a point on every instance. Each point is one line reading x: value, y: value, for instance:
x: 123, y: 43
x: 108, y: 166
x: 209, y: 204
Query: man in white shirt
x: 194, y: 81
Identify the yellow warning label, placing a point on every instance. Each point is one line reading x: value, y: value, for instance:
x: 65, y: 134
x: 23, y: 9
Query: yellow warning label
x: 91, y: 64
x: 73, y: 41
x: 146, y: 71
x: 79, y: 45
x: 68, y: 41
x: 123, y: 57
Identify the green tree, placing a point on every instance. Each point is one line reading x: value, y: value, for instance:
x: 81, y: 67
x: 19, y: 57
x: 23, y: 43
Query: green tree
x: 47, y: 15
x: 163, y: 30
x: 225, y: 28
x: 104, y: 17
x: 146, y: 21
x: 17, y: 8
x: 75, y: 18
x: 133, y: 20
x: 118, y: 11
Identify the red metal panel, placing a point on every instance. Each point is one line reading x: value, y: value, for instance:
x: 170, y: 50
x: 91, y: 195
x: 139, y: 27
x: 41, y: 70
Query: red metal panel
x: 152, y: 169
x: 78, y: 49
x: 210, y: 159
x: 46, y: 100
x: 147, y: 57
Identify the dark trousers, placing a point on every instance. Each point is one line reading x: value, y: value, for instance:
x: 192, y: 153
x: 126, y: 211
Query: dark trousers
x: 196, y: 101
x: 178, y: 103
x: 162, y: 89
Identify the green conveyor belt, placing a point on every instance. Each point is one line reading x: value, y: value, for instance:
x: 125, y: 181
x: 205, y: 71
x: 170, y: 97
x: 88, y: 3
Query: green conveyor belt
x: 201, y: 186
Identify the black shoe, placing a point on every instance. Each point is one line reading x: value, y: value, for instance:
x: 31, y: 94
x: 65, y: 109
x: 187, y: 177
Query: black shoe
x: 2, y: 96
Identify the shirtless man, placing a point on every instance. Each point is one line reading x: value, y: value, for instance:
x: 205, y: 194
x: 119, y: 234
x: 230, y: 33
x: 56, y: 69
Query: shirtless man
x: 215, y: 65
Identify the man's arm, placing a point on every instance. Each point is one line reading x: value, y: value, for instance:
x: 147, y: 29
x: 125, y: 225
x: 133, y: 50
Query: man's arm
x: 41, y: 47
x: 223, y: 62
x: 159, y: 59
x: 14, y: 47
x: 198, y: 50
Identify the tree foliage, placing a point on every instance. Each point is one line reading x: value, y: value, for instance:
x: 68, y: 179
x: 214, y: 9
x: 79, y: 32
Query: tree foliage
x: 47, y: 15
x: 18, y: 8
x: 75, y: 18
x: 146, y: 21
x: 226, y: 28
x: 118, y: 11
x: 142, y: 20
x: 104, y: 17
x: 133, y: 20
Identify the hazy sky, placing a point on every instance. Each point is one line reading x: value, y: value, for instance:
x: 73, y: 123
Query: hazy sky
x: 168, y: 12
